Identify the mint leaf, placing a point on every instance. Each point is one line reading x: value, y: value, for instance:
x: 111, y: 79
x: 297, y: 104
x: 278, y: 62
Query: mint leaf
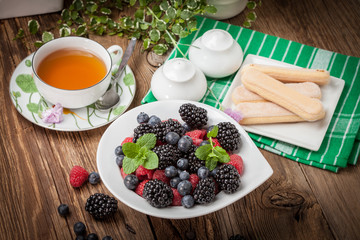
x: 33, y: 26
x: 221, y: 154
x: 152, y: 160
x: 203, y: 151
x: 130, y: 149
x: 129, y: 165
x: 147, y: 140
x: 141, y: 156
x: 211, y: 163
x: 214, y: 131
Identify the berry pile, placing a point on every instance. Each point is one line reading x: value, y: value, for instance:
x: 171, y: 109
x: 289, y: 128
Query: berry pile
x: 186, y: 172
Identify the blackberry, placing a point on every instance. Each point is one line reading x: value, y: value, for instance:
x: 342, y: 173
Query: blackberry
x: 194, y: 116
x: 228, y: 178
x: 205, y: 191
x: 167, y: 154
x: 160, y: 131
x: 174, y: 126
x: 141, y: 130
x: 101, y: 206
x: 193, y: 161
x: 158, y: 193
x: 228, y: 136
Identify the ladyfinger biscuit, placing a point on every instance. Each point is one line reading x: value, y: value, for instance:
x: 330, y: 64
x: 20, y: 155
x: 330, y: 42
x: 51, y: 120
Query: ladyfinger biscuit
x: 264, y: 113
x: 275, y: 91
x: 241, y: 94
x: 318, y: 76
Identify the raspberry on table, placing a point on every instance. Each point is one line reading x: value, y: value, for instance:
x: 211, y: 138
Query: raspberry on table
x: 78, y: 176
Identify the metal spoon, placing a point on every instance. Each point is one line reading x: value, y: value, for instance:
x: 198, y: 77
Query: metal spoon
x: 111, y: 98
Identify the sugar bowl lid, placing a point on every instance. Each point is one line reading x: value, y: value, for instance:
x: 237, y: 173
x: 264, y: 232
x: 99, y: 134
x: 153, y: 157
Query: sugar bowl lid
x: 179, y: 70
x: 217, y: 40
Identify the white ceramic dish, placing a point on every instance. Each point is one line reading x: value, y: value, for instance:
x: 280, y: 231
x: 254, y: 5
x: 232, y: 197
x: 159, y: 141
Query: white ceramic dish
x: 308, y: 135
x: 27, y: 101
x: 257, y: 170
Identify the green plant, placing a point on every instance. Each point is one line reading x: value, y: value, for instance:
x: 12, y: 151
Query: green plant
x: 251, y: 15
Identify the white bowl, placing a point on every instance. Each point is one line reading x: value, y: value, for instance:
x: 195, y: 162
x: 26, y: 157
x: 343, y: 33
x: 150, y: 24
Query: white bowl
x: 216, y: 53
x: 178, y: 79
x: 74, y: 98
x: 256, y: 168
x: 226, y: 8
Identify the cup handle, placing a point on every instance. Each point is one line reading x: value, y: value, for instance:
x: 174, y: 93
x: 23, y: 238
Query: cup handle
x: 116, y: 53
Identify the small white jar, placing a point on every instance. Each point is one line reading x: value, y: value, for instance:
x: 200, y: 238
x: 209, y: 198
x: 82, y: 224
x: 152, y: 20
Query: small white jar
x: 226, y: 8
x: 178, y: 79
x: 216, y: 53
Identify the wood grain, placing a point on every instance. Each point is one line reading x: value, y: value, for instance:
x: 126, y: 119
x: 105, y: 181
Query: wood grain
x: 297, y: 202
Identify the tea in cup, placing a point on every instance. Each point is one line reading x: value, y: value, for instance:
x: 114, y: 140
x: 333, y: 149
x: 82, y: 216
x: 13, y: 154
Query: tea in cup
x: 74, y: 71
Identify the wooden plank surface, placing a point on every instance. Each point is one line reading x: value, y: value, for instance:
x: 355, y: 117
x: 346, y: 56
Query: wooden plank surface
x: 297, y: 202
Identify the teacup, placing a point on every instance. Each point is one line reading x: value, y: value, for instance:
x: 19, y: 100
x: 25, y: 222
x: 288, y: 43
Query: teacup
x: 63, y: 67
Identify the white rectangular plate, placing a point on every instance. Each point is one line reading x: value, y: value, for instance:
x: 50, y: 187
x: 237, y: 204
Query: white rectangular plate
x: 308, y: 135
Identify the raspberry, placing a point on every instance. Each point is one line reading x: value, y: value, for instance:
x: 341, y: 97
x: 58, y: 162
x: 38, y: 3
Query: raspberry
x: 128, y: 139
x: 140, y: 188
x: 177, y: 198
x: 194, y: 179
x: 196, y: 134
x: 123, y: 174
x: 78, y: 176
x: 160, y: 175
x: 197, y: 142
x: 143, y: 173
x: 216, y: 142
x: 237, y: 162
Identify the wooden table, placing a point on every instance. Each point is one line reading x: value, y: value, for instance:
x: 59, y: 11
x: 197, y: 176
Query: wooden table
x: 297, y: 202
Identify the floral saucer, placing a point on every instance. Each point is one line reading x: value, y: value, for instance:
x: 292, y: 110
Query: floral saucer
x: 30, y: 103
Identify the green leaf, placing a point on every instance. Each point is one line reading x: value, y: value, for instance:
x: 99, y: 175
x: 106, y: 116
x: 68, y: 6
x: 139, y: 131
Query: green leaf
x: 38, y: 44
x: 146, y: 43
x: 251, y: 16
x: 28, y: 63
x: 211, y: 163
x: 152, y: 160
x: 105, y: 11
x: 139, y: 14
x: 144, y: 26
x: 132, y: 2
x: 130, y: 149
x: 74, y: 15
x: 20, y: 34
x: 81, y: 31
x: 147, y: 140
x: 65, y: 15
x: 47, y: 36
x: 164, y: 6
x: 64, y: 31
x: 251, y: 5
x: 154, y: 35
x: 186, y: 14
x: 171, y: 12
x: 129, y: 79
x: 247, y: 24
x: 129, y: 165
x: 210, y: 9
x: 141, y: 156
x: 33, y: 26
x: 183, y: 34
x: 119, y: 110
x: 160, y: 49
x: 202, y: 152
x: 176, y: 29
x: 92, y: 7
x: 213, y: 133
x: 26, y: 83
x: 161, y: 25
x: 78, y: 5
x: 192, y: 4
x: 33, y: 107
x: 142, y: 3
x: 221, y: 154
x: 16, y: 94
x: 191, y: 25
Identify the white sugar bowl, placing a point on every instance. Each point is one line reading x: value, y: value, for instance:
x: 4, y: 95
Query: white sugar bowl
x: 179, y: 79
x: 216, y: 53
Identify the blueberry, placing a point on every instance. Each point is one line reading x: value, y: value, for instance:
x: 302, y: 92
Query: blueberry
x: 80, y: 237
x: 94, y: 178
x: 188, y: 138
x: 184, y: 187
x: 107, y: 238
x: 203, y: 172
x: 142, y: 118
x: 188, y: 201
x: 204, y: 142
x: 179, y: 171
x: 131, y: 181
x: 119, y: 151
x: 172, y: 138
x: 119, y: 160
x: 182, y: 163
x: 79, y: 228
x: 92, y: 236
x: 214, y: 171
x: 63, y: 210
x: 186, y: 127
x: 184, y: 144
x: 184, y: 175
x: 174, y: 182
x: 171, y: 172
x: 153, y: 120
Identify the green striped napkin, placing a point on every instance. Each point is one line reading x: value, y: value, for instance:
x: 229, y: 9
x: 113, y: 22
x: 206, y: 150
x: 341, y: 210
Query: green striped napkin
x: 341, y: 144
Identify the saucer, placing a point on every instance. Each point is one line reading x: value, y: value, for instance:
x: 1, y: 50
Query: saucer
x: 28, y: 102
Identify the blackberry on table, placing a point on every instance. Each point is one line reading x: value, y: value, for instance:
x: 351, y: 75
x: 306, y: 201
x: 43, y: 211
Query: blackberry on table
x: 193, y: 162
x: 101, y: 206
x: 228, y: 136
x: 141, y: 130
x: 158, y: 193
x: 167, y: 154
x: 194, y: 116
x: 228, y: 178
x: 205, y: 191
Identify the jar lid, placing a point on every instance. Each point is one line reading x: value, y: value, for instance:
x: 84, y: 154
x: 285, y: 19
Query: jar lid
x: 217, y: 40
x: 179, y: 70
